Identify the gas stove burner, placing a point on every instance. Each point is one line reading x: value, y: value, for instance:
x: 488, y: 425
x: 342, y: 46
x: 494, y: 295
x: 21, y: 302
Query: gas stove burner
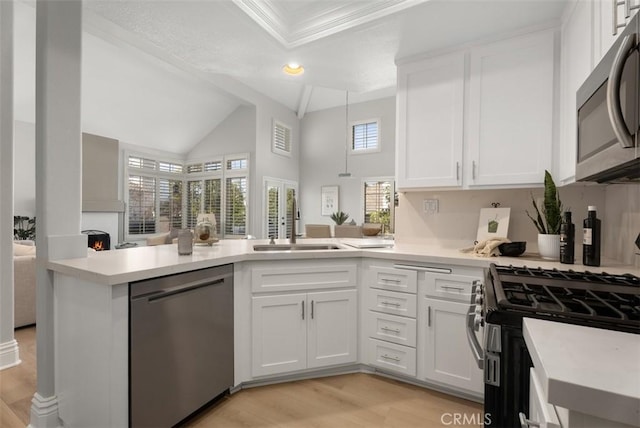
x: 602, y: 299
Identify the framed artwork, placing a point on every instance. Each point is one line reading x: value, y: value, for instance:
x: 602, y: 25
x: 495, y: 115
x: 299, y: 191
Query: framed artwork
x: 493, y: 223
x: 329, y: 200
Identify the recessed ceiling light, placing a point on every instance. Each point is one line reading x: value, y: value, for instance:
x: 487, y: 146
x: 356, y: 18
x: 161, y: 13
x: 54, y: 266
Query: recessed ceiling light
x: 293, y: 69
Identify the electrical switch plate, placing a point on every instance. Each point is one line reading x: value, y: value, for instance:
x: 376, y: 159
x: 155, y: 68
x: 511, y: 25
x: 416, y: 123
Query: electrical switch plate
x: 430, y: 206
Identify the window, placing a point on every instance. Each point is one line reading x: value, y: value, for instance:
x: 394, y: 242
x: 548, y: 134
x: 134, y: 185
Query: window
x: 364, y: 136
x: 281, y: 143
x: 164, y: 194
x: 379, y: 203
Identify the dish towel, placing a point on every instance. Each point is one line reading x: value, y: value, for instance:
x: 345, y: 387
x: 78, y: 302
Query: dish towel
x: 486, y: 248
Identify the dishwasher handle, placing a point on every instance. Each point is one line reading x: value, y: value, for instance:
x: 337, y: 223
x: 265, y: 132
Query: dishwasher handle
x: 179, y: 289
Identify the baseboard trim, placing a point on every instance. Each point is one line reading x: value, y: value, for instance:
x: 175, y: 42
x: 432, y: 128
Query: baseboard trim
x: 9, y: 354
x: 44, y: 412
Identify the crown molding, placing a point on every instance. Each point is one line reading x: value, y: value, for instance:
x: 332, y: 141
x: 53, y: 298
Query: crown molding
x: 293, y: 32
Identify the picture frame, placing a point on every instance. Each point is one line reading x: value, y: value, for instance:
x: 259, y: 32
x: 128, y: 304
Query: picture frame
x: 329, y: 200
x: 493, y: 223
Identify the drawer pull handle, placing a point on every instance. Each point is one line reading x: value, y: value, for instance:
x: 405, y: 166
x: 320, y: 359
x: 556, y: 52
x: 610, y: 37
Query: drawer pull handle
x: 385, y: 303
x: 449, y: 287
x: 394, y: 281
x: 394, y: 330
x: 387, y: 357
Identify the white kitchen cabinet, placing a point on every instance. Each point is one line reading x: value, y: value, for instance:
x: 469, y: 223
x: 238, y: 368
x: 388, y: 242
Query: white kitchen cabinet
x: 511, y: 111
x: 603, y: 26
x: 492, y: 126
x: 430, y: 112
x: 303, y: 330
x: 576, y: 62
x: 332, y: 328
x: 541, y: 413
x: 444, y: 355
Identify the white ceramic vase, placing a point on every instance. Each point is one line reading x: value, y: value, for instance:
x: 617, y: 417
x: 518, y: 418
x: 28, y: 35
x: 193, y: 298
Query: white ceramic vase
x: 549, y: 246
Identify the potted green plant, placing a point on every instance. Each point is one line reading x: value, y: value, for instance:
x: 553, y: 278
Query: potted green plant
x: 339, y: 217
x: 547, y: 220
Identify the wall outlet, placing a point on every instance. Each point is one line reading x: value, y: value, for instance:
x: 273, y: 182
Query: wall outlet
x: 430, y: 206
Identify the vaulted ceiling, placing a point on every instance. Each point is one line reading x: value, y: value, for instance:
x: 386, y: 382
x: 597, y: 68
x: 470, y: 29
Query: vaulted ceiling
x: 343, y: 44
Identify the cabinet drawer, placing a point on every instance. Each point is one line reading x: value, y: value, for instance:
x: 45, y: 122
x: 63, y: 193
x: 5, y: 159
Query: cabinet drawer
x: 449, y: 286
x: 311, y: 277
x: 393, y: 357
x: 392, y: 328
x: 393, y: 279
x: 391, y: 302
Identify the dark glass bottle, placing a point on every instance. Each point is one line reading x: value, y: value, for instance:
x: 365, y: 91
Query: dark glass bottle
x: 591, y: 239
x: 567, y: 239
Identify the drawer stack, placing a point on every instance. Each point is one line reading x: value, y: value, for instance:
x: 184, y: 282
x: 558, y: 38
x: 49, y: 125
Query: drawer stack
x: 391, y: 318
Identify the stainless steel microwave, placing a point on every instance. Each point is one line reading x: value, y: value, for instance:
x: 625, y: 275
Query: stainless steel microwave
x: 608, y: 109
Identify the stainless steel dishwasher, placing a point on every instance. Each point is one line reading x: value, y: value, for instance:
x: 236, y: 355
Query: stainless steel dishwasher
x: 180, y: 344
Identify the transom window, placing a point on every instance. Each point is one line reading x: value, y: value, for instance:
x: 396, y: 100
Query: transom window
x: 365, y: 136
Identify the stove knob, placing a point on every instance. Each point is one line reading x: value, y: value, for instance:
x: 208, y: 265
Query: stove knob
x: 477, y: 322
x: 479, y: 299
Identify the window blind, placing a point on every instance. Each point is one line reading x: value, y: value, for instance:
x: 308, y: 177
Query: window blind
x: 170, y: 204
x: 142, y: 204
x: 365, y: 136
x: 194, y: 202
x: 281, y: 138
x: 141, y: 163
x: 236, y: 206
x: 212, y: 199
x: 273, y: 200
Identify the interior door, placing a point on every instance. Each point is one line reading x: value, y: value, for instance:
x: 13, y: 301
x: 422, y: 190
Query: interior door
x: 279, y: 195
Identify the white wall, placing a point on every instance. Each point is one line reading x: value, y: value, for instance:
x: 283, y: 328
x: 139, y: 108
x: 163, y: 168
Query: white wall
x: 322, y: 157
x: 236, y: 134
x: 24, y: 169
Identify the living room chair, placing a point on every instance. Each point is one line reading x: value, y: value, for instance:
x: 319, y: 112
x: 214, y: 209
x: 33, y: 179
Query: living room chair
x: 348, y: 231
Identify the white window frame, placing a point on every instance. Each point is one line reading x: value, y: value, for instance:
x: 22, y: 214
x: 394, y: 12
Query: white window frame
x: 376, y: 149
x: 392, y: 203
x: 223, y: 173
x: 275, y: 149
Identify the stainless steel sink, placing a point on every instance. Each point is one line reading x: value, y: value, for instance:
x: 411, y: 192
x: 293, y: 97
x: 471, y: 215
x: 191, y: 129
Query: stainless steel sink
x: 295, y: 247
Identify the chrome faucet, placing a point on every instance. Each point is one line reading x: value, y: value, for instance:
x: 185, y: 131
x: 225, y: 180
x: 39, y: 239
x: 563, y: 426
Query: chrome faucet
x: 292, y: 240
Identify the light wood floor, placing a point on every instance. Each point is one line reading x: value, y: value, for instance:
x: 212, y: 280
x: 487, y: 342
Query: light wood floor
x: 358, y: 400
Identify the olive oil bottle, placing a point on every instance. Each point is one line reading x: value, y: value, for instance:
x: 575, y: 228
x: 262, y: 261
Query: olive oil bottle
x: 591, y: 239
x: 567, y: 239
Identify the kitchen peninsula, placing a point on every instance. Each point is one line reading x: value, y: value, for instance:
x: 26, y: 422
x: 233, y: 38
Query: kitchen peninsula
x: 92, y: 304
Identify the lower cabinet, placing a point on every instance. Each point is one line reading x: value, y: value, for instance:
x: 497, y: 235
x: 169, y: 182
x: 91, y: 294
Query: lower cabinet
x: 442, y: 346
x: 304, y: 330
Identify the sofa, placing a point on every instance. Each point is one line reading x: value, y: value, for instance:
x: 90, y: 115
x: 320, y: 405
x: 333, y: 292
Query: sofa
x: 24, y: 290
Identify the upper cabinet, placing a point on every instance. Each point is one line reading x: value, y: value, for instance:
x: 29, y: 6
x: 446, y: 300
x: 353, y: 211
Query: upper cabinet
x: 575, y: 64
x: 511, y: 111
x: 610, y: 18
x: 430, y: 122
x: 483, y: 117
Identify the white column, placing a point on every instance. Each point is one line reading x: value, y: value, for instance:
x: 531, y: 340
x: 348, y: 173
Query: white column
x: 9, y: 354
x: 58, y: 178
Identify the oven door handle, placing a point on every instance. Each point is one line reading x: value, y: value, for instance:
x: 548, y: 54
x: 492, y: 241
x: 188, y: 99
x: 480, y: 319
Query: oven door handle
x: 478, y: 353
x: 614, y: 108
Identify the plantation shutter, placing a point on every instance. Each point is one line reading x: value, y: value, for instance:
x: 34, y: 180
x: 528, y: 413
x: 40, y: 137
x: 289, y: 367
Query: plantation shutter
x: 170, y: 198
x: 142, y: 204
x: 365, y: 136
x: 378, y: 203
x: 281, y: 139
x: 212, y: 199
x: 273, y: 202
x: 194, y: 202
x: 236, y: 206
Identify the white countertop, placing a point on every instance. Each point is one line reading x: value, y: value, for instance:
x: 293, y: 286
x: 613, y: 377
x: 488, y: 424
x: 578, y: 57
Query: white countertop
x: 590, y: 370
x: 132, y: 264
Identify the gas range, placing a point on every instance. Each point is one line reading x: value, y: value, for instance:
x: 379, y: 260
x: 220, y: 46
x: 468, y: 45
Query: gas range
x: 595, y: 299
x: 509, y: 294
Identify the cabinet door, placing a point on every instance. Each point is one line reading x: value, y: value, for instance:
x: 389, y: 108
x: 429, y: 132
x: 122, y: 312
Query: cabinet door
x: 443, y: 352
x: 575, y: 66
x: 511, y: 111
x: 279, y: 334
x: 332, y: 328
x: 430, y: 122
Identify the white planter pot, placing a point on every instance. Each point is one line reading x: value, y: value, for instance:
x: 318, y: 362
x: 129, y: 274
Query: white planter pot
x: 549, y: 246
